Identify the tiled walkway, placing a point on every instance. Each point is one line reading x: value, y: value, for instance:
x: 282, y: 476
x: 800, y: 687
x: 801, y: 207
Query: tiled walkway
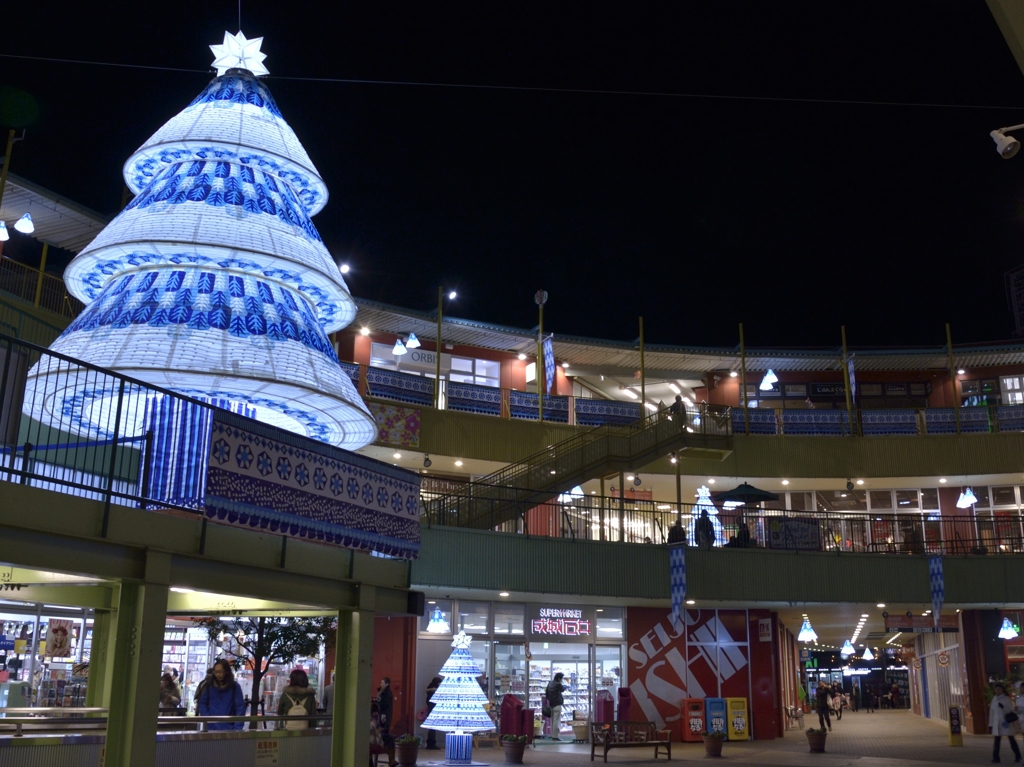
x: 881, y: 739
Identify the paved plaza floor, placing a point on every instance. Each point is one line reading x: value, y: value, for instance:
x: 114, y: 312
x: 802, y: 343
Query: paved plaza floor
x: 881, y: 739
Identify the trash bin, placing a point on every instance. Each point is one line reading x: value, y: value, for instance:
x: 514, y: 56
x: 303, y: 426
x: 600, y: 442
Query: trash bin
x: 512, y: 716
x: 625, y: 705
x: 694, y: 723
x: 604, y: 707
x: 738, y: 720
x: 714, y: 712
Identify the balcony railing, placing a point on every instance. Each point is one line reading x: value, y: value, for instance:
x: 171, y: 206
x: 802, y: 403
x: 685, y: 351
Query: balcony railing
x: 22, y: 281
x: 630, y: 520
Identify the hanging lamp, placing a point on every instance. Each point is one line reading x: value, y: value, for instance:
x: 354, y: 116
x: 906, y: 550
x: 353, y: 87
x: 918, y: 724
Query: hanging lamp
x: 1007, y: 631
x: 806, y: 632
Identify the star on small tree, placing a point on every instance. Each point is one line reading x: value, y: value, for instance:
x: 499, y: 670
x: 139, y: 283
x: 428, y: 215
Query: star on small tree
x: 260, y: 641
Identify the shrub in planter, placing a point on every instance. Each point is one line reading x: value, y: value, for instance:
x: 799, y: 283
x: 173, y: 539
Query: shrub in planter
x: 407, y: 749
x: 514, y: 747
x: 816, y: 739
x: 713, y: 743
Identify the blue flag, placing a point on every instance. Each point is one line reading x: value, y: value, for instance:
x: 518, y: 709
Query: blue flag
x: 677, y: 578
x: 549, y: 364
x: 938, y: 584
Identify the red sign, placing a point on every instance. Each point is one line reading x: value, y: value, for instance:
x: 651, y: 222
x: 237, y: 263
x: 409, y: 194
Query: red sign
x: 921, y: 624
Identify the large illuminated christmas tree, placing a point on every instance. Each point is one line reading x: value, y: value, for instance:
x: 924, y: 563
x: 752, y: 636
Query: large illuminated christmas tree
x: 459, y: 703
x: 213, y: 282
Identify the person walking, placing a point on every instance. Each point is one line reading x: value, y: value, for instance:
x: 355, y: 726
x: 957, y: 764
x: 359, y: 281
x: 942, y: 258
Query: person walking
x: 855, y: 699
x: 1003, y: 720
x: 823, y: 697
x: 837, y: 703
x: 170, y: 698
x: 553, y: 693
x: 677, y: 533
x: 894, y: 692
x: 221, y: 695
x: 431, y: 689
x: 297, y: 699
x: 386, y: 701
x: 327, y: 701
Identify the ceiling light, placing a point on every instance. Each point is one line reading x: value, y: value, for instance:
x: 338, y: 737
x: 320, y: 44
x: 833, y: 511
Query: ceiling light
x: 629, y: 477
x: 630, y: 393
x: 860, y: 481
x: 733, y: 374
x: 880, y: 604
x: 960, y: 372
x: 691, y: 601
x: 1007, y: 631
x: 412, y: 342
x: 503, y: 594
x: 675, y: 389
x: 868, y: 655
x: 711, y: 481
x: 1007, y: 146
x: 396, y: 456
x: 522, y: 356
x: 343, y: 269
x: 593, y: 492
x: 785, y: 481
x: 767, y: 383
x: 565, y: 365
x: 451, y: 296
x: 552, y: 471
x: 942, y: 481
x: 672, y: 458
x: 807, y: 633
x: 437, y: 624
x: 364, y: 331
x: 649, y: 406
x: 180, y: 590
x: 848, y: 649
x: 865, y: 615
x: 399, y: 349
x: 4, y: 235
x: 458, y: 463
x: 25, y: 225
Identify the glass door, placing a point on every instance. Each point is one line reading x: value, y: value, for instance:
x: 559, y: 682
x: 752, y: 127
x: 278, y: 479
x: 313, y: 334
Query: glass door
x: 509, y: 672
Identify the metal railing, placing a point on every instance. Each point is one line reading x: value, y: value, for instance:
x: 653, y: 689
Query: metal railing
x: 41, y: 719
x: 22, y: 281
x: 505, y: 494
x: 630, y: 520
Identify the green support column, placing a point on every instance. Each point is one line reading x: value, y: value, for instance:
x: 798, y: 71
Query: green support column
x: 353, y: 689
x: 101, y: 666
x: 135, y: 683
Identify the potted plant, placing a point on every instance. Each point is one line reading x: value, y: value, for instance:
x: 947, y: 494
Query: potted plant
x: 514, y: 747
x: 407, y: 748
x: 816, y: 739
x: 713, y: 743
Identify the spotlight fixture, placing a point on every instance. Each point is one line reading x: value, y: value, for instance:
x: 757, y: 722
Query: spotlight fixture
x: 397, y: 456
x: 364, y: 331
x: 785, y: 481
x: 672, y: 457
x: 412, y: 342
x: 733, y: 374
x: 1007, y: 146
x: 399, y: 349
x: 25, y: 225
x: 458, y: 463
x: 426, y: 461
x: 343, y: 269
x: 565, y: 365
x: 942, y: 480
x: 960, y: 372
x: 860, y: 481
x: 451, y: 296
x: 503, y: 594
x: 522, y: 356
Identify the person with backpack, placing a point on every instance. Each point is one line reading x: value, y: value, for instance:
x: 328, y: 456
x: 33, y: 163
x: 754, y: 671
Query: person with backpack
x: 298, y: 699
x: 222, y: 696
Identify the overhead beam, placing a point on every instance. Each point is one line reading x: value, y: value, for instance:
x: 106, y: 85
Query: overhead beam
x: 1009, y: 17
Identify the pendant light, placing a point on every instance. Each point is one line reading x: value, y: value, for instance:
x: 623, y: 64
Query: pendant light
x: 399, y: 349
x: 4, y: 234
x: 412, y: 342
x: 868, y: 655
x: 438, y: 625
x: 847, y: 650
x: 966, y: 499
x: 806, y: 632
x: 25, y: 225
x: 1007, y: 631
x: 769, y: 380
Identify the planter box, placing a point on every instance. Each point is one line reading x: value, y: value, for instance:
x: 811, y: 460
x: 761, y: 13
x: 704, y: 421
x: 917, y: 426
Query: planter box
x: 514, y: 751
x: 816, y: 742
x: 713, y: 746
x: 406, y: 755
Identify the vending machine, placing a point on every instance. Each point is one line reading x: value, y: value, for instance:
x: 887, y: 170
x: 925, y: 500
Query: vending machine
x: 714, y: 712
x: 737, y: 718
x: 694, y: 721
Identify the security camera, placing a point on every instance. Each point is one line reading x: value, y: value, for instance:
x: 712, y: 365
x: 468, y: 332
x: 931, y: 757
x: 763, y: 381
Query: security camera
x: 636, y: 481
x: 1007, y: 146
x: 849, y: 484
x: 426, y: 461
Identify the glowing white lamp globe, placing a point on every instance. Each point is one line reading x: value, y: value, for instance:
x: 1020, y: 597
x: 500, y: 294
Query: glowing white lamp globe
x: 868, y: 655
x: 25, y: 225
x: 848, y: 649
x: 413, y: 342
x: 806, y: 632
x: 437, y: 624
x: 1007, y: 631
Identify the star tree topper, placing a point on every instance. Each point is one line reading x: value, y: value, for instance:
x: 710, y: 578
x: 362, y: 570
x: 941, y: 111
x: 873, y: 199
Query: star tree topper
x: 461, y: 640
x: 239, y: 53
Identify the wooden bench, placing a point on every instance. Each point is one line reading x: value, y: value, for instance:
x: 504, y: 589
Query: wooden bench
x: 609, y: 735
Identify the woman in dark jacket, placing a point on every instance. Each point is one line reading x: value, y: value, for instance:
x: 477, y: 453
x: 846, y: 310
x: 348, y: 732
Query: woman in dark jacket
x: 222, y: 696
x: 553, y: 693
x: 298, y: 694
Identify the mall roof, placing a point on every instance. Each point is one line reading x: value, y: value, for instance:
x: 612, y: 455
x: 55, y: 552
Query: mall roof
x: 57, y: 220
x: 589, y: 355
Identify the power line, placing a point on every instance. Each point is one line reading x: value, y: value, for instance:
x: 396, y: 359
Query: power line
x: 539, y: 89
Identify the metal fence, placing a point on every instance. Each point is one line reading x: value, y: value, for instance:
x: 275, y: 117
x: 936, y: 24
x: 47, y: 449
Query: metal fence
x: 22, y: 281
x: 597, y: 518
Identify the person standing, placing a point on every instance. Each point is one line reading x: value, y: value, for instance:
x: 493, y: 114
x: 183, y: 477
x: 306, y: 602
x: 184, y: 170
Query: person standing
x: 221, y: 695
x: 823, y: 697
x: 704, y: 530
x: 431, y: 689
x: 1001, y: 708
x: 855, y: 699
x: 297, y: 699
x: 327, y: 702
x: 895, y: 693
x: 170, y: 698
x: 553, y: 693
x: 386, y: 701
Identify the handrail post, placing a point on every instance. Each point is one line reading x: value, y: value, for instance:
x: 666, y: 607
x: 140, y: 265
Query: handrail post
x: 743, y: 382
x: 25, y: 462
x: 147, y: 468
x: 848, y: 384
x: 113, y: 461
x: 42, y: 272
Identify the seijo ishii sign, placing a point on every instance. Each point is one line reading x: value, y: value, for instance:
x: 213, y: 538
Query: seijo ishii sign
x: 561, y: 621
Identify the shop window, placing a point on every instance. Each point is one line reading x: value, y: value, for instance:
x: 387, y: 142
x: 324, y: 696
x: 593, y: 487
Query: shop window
x: 1013, y: 391
x: 610, y: 622
x: 800, y: 501
x: 881, y: 500
x: 906, y: 500
x: 509, y: 619
x: 1004, y: 496
x: 436, y: 617
x: 475, y: 617
x: 929, y: 498
x: 982, y: 495
x: 970, y: 387
x: 381, y: 356
x: 841, y: 500
x: 608, y: 668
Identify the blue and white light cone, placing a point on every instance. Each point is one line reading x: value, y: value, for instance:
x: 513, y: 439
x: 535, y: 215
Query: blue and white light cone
x: 214, y: 282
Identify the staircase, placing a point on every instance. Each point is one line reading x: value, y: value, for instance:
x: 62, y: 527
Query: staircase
x: 509, y: 493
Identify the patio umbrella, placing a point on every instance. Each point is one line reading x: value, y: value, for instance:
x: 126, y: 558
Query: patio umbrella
x: 745, y: 494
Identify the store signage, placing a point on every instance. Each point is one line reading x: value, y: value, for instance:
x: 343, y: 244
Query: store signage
x: 828, y: 389
x: 6, y: 644
x: 268, y: 753
x: 796, y: 390
x: 800, y: 533
x: 805, y: 655
x: 943, y: 659
x: 921, y: 624
x: 764, y: 629
x: 58, y: 638
x: 896, y: 390
x: 917, y: 664
x: 560, y: 621
x: 856, y: 671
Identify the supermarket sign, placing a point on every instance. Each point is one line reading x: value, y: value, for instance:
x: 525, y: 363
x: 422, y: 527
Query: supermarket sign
x: 921, y: 624
x: 560, y: 621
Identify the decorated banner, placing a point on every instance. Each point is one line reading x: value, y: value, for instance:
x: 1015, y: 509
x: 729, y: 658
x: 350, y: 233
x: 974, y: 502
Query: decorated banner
x: 938, y: 584
x: 396, y: 425
x: 58, y: 638
x: 549, y: 364
x: 677, y: 578
x: 264, y: 478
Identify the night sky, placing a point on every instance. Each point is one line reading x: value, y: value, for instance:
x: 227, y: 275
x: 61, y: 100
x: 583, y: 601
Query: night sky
x: 697, y: 213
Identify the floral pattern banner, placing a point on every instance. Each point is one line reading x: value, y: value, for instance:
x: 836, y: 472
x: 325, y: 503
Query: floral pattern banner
x: 396, y: 425
x: 264, y: 478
